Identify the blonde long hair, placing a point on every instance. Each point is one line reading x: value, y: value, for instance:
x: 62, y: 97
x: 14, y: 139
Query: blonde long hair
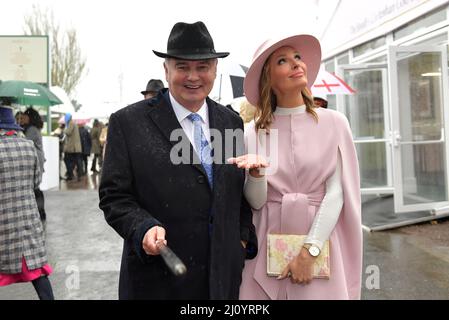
x: 267, y: 102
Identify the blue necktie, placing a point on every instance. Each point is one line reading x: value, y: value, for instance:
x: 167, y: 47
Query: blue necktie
x: 202, y: 146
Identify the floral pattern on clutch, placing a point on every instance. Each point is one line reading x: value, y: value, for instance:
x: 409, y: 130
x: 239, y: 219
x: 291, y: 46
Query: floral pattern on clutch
x: 282, y: 248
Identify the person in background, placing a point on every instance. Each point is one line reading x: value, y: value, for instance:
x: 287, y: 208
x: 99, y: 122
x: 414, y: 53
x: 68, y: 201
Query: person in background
x: 59, y: 133
x: 247, y: 111
x: 96, y: 146
x: 153, y: 87
x: 18, y: 116
x: 320, y: 102
x: 32, y: 124
x: 103, y: 140
x: 315, y: 189
x: 23, y: 256
x: 86, y: 146
x: 72, y: 148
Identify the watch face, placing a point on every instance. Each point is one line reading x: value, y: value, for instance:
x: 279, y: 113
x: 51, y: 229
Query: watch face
x: 314, y: 251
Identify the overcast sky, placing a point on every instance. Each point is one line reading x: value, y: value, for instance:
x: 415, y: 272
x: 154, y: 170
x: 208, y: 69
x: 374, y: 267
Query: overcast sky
x: 117, y: 37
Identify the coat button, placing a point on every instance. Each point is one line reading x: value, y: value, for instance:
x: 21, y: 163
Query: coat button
x: 200, y: 179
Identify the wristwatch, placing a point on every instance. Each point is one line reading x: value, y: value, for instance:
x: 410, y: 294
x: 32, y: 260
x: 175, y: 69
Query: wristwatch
x: 314, y: 251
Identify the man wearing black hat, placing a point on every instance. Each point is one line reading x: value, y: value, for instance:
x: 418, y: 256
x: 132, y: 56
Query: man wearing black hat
x: 196, y: 207
x: 153, y: 87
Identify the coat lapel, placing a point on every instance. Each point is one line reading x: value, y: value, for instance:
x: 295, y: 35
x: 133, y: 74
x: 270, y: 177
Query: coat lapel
x: 162, y: 115
x: 216, y: 122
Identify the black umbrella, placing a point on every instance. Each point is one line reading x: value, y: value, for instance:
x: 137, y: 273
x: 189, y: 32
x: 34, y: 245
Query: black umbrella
x: 231, y: 76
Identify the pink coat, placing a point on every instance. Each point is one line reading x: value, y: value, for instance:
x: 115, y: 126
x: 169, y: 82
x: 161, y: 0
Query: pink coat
x: 307, y: 158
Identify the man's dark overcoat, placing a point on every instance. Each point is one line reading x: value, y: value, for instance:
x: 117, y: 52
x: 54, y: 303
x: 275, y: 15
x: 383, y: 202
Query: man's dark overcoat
x: 141, y: 187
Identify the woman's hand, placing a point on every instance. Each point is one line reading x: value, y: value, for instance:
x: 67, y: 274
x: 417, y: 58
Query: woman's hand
x: 252, y: 162
x: 300, y: 268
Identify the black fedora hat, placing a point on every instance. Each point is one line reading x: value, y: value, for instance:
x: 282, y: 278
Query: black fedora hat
x: 154, y: 85
x: 190, y: 41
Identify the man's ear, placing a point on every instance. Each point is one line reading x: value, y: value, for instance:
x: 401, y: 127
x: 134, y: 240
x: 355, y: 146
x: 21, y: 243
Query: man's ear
x: 215, y: 64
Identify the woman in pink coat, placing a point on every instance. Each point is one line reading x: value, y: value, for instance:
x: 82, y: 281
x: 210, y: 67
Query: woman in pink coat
x: 312, y: 186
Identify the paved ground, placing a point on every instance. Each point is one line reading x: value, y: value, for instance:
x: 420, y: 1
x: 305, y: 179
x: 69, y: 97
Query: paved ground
x: 83, y: 250
x: 406, y: 263
x: 413, y: 262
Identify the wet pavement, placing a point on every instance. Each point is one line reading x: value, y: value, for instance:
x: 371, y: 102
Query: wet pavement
x: 82, y: 249
x: 410, y: 265
x: 404, y: 263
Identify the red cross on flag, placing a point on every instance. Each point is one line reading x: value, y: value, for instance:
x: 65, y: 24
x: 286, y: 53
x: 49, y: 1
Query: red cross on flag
x: 328, y: 83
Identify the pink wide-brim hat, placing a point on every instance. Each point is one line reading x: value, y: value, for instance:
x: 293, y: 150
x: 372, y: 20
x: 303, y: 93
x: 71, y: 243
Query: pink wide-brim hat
x: 308, y: 47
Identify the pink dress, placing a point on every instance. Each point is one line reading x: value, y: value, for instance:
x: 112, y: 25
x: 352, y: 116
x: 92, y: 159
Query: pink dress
x: 26, y: 275
x: 307, y: 157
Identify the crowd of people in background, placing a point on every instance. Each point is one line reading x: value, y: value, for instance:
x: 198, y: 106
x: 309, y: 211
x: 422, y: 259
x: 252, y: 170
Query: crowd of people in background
x: 77, y: 143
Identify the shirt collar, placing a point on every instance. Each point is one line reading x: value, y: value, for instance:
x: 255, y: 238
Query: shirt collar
x: 182, y: 113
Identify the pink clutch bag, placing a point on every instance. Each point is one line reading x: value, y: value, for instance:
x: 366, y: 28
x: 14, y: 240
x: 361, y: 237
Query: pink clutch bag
x: 282, y: 248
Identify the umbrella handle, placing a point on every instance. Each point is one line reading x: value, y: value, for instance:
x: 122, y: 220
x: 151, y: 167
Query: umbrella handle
x: 176, y: 266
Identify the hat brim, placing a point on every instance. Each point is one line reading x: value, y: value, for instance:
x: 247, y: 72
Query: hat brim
x: 145, y: 92
x: 308, y: 47
x: 196, y: 56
